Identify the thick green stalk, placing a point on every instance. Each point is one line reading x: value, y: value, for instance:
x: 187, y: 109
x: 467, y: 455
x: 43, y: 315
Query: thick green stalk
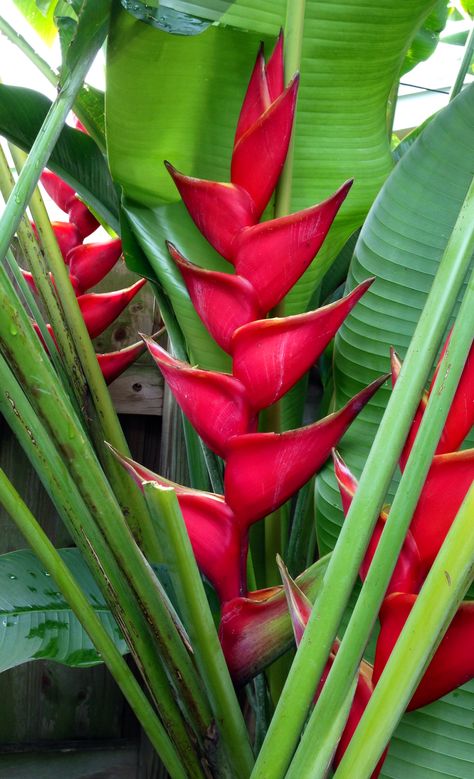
x: 34, y: 372
x: 199, y: 623
x: 81, y: 607
x: 348, y: 554
x: 465, y: 65
x: 62, y: 489
x: 308, y: 759
x: 441, y: 594
x: 105, y: 426
x: 28, y: 50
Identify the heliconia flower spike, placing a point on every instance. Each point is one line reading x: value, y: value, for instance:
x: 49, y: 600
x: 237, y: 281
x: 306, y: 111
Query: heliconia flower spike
x: 215, y: 537
x: 453, y: 662
x: 300, y: 610
x: 60, y: 192
x: 100, y: 309
x: 271, y: 355
x: 89, y: 263
x: 275, y: 69
x: 223, y: 301
x: 220, y: 210
x: 445, y: 488
x: 216, y: 404
x: 290, y: 241
x: 67, y: 236
x: 260, y: 153
x: 407, y: 575
x: 112, y: 364
x: 265, y: 469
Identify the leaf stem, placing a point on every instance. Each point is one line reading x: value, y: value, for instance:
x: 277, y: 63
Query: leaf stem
x: 465, y: 65
x: 307, y: 761
x: 84, y: 612
x: 440, y: 596
x: 199, y: 623
x: 347, y: 556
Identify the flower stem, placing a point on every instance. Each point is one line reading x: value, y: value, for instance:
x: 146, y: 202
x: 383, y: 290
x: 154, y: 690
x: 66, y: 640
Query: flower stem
x: 199, y: 623
x: 347, y: 556
x: 320, y: 730
x: 441, y: 594
x: 84, y: 612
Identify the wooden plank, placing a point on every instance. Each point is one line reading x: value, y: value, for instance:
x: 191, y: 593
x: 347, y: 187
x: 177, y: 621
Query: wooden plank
x: 117, y: 761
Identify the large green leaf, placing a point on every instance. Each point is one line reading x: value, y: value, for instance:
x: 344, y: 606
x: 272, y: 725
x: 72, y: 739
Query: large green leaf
x: 401, y: 243
x: 35, y: 621
x: 76, y: 157
x: 40, y: 15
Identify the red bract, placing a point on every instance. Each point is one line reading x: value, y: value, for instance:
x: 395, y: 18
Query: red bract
x: 89, y: 263
x: 217, y: 542
x: 112, y: 364
x: 100, y: 309
x: 265, y: 469
x: 271, y: 355
x: 216, y: 404
x: 408, y: 575
x: 65, y: 197
x: 453, y: 661
x: 67, y: 236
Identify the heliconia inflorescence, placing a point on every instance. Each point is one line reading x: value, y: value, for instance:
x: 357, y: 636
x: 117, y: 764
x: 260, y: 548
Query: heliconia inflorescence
x: 87, y: 265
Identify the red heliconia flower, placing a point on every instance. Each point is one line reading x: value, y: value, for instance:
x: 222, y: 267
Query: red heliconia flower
x: 460, y: 418
x: 273, y: 255
x: 299, y: 608
x: 265, y: 469
x: 216, y: 404
x: 67, y: 236
x: 223, y: 301
x: 453, y: 662
x: 112, y: 364
x: 408, y: 574
x: 66, y: 199
x: 100, y: 309
x: 89, y: 263
x: 267, y: 82
x: 271, y: 355
x: 217, y: 541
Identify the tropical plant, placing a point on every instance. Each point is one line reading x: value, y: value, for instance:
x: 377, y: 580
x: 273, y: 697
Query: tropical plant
x: 240, y: 345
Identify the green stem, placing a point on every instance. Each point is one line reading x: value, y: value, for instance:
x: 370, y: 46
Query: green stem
x: 199, y: 623
x: 84, y: 612
x: 105, y: 427
x: 348, y: 554
x: 435, y: 606
x: 308, y: 759
x: 465, y: 65
x: 28, y: 50
x: 62, y: 489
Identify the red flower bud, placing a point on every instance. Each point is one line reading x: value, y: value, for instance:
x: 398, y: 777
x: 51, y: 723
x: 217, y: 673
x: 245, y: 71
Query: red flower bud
x: 271, y: 355
x: 67, y: 236
x: 100, y: 309
x: 112, y: 364
x: 60, y: 192
x: 265, y: 469
x: 290, y: 241
x: 216, y: 404
x: 407, y: 575
x: 453, y: 662
x: 89, y: 263
x: 259, y: 154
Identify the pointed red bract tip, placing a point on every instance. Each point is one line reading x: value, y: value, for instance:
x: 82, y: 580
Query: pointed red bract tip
x: 91, y: 262
x: 260, y: 153
x: 219, y: 210
x: 216, y: 404
x: 257, y: 98
x: 265, y: 469
x: 275, y: 69
x: 453, y: 662
x: 84, y: 219
x: 271, y: 355
x: 112, y: 364
x: 292, y: 243
x: 67, y: 236
x: 223, y: 301
x: 396, y: 366
x: 60, y: 192
x: 298, y: 604
x: 100, y: 309
x: 346, y: 481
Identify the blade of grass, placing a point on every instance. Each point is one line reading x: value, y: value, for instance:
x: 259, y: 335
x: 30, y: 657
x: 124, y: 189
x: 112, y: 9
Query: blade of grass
x: 441, y: 594
x: 73, y: 594
x: 307, y: 761
x: 345, y: 561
